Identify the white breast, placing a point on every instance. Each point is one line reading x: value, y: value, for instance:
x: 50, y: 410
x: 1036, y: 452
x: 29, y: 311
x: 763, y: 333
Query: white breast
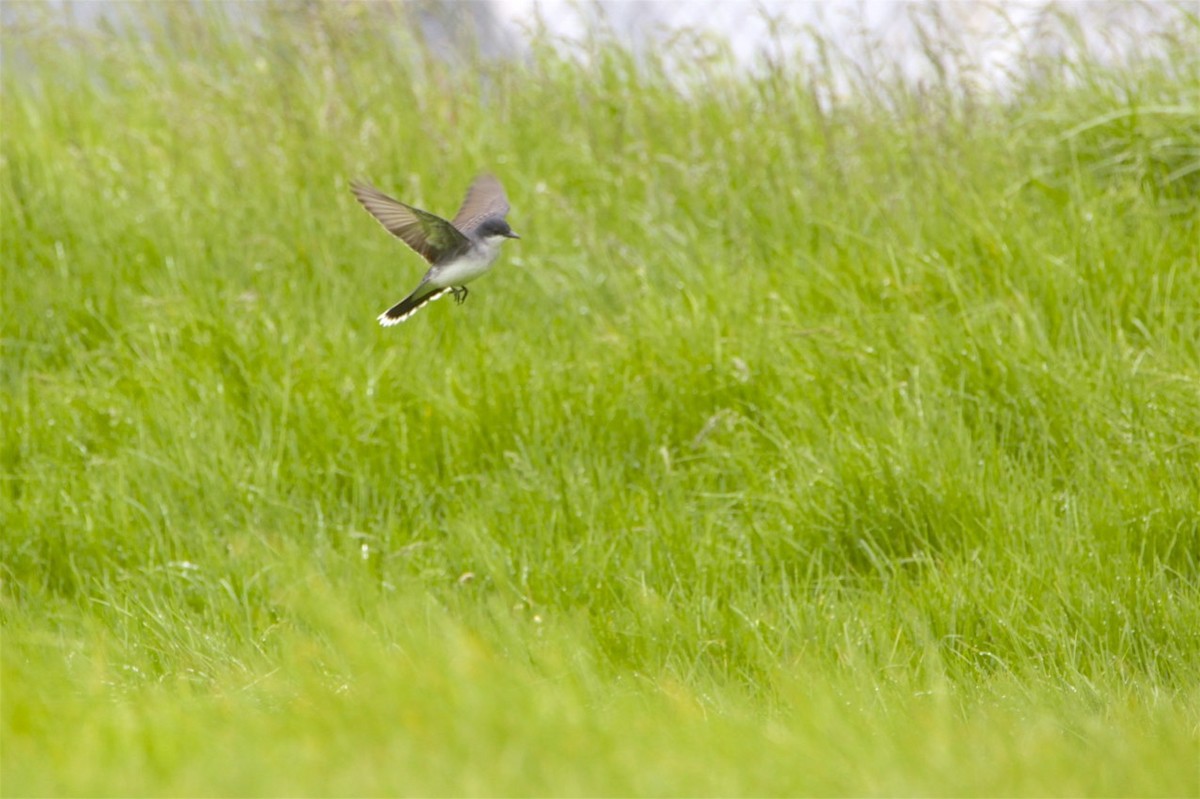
x: 471, y: 265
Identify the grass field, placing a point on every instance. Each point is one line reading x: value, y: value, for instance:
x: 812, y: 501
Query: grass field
x: 797, y: 447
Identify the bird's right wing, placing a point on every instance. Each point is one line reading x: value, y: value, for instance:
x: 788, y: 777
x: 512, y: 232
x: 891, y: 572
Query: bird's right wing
x: 484, y: 199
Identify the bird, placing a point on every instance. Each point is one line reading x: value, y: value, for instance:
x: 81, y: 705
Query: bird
x: 458, y: 251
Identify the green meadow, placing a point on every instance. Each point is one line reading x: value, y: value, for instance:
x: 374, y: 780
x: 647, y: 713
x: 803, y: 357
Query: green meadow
x: 801, y: 445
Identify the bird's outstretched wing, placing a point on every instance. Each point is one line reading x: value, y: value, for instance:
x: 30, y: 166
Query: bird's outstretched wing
x: 484, y: 199
x: 428, y: 234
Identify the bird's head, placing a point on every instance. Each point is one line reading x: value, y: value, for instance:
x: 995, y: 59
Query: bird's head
x: 495, y: 229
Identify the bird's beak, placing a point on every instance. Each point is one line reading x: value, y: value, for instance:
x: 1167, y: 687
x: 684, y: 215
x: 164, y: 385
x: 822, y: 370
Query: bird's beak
x: 512, y: 234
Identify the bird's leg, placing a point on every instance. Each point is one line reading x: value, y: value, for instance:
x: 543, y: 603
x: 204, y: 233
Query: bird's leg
x: 460, y: 294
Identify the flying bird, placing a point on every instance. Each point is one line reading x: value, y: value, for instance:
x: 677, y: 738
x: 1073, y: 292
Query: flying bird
x: 458, y: 251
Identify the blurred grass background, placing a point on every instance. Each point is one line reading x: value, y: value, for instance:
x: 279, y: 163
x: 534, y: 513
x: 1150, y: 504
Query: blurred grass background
x: 799, y: 446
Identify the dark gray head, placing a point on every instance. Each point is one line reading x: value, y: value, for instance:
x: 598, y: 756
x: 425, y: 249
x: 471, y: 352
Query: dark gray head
x: 494, y: 227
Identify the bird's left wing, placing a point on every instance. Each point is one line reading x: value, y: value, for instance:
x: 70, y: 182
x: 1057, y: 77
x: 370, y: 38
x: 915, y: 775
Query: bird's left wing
x: 428, y: 234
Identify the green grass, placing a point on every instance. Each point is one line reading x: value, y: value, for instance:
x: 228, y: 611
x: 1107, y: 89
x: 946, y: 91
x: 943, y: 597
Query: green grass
x: 795, y: 448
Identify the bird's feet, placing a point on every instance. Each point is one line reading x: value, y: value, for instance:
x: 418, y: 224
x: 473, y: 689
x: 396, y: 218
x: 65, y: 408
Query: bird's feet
x: 460, y: 294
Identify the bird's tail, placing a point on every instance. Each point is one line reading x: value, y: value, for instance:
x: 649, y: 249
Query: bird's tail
x: 409, y: 306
